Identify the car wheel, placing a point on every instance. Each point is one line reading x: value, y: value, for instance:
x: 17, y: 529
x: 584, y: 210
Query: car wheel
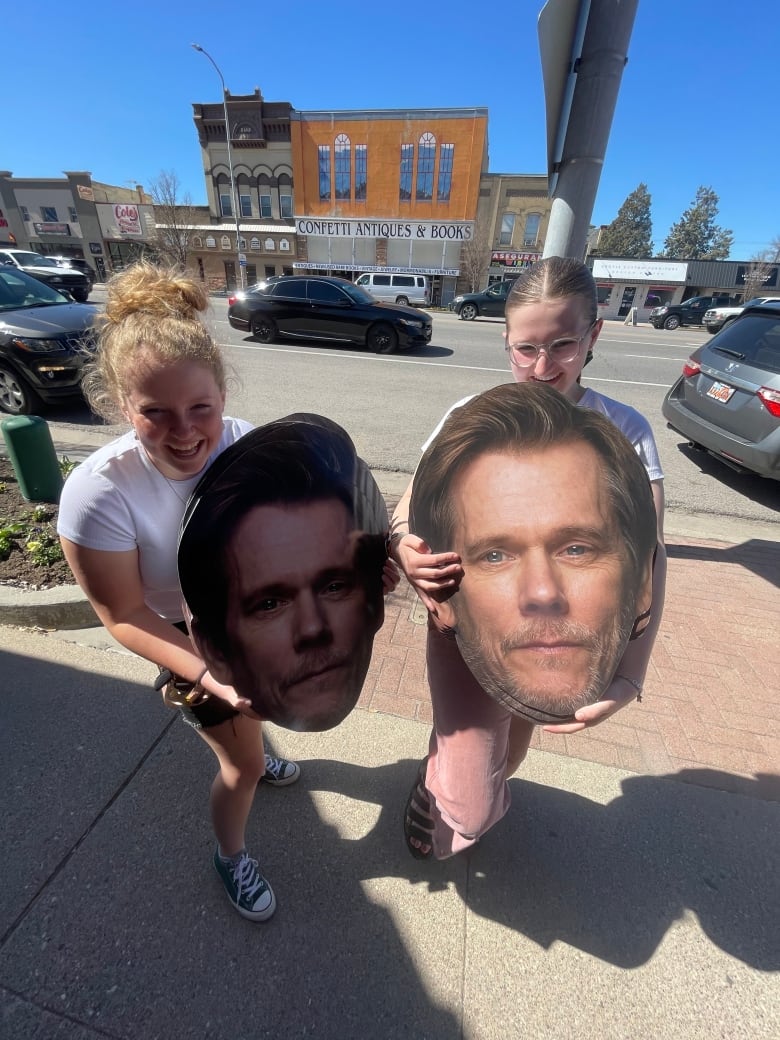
x: 468, y: 312
x: 383, y: 338
x: 15, y: 396
x: 403, y: 300
x: 263, y: 329
x: 713, y: 330
x: 80, y: 295
x: 672, y: 322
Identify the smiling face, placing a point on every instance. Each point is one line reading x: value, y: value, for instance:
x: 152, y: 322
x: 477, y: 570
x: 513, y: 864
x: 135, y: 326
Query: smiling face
x: 299, y: 626
x: 544, y: 610
x: 543, y: 323
x: 176, y: 412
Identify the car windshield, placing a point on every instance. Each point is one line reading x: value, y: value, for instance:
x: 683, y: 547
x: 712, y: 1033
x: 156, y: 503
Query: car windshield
x: 35, y: 260
x: 20, y: 292
x: 356, y: 293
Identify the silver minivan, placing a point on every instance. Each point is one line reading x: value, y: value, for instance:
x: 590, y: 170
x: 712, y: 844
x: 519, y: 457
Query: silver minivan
x: 414, y: 289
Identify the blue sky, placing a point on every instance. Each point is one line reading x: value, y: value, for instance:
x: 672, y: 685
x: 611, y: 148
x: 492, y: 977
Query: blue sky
x: 109, y: 88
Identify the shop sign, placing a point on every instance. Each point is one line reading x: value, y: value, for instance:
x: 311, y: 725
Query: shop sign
x: 95, y: 248
x: 639, y: 270
x: 127, y: 219
x: 49, y: 228
x: 426, y: 230
x: 508, y: 259
x: 85, y: 193
x: 324, y: 265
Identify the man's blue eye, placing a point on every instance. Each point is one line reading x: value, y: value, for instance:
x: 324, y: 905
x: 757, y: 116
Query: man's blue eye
x: 576, y: 550
x: 494, y: 556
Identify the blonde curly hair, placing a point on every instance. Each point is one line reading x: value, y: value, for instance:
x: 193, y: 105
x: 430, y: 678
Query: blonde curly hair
x: 151, y: 312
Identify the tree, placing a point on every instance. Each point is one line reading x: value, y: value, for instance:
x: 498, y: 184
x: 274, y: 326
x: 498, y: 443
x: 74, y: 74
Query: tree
x: 175, y: 216
x: 696, y: 236
x: 757, y: 273
x: 630, y: 233
x: 475, y: 256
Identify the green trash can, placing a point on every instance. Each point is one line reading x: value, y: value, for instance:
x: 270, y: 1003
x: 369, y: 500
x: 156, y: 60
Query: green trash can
x: 32, y: 455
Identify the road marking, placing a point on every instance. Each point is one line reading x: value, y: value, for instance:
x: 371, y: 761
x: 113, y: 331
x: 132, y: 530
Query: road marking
x: 655, y: 357
x: 394, y: 360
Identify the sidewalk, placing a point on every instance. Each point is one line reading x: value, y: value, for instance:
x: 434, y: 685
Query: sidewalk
x: 631, y: 892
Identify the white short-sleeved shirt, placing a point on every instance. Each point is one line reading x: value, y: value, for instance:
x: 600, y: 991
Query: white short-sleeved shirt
x: 116, y: 500
x: 628, y: 420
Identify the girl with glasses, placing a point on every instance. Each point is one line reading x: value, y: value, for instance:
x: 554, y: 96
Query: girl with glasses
x: 552, y: 325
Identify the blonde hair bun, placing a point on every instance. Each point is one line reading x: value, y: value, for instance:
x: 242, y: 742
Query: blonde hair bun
x: 155, y: 292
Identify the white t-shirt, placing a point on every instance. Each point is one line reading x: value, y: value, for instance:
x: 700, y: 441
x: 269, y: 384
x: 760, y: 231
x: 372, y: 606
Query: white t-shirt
x: 116, y: 500
x: 628, y: 420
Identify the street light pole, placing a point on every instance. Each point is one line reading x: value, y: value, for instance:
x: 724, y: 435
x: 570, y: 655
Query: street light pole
x: 233, y: 189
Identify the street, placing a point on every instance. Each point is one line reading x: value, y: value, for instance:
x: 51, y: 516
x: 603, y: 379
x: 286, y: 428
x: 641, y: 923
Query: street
x: 390, y: 404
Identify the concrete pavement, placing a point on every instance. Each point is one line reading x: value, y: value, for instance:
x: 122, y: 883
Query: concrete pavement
x: 631, y: 892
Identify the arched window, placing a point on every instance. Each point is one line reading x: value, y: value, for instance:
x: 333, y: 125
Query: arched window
x: 226, y: 242
x: 343, y: 167
x: 446, y: 155
x: 197, y: 242
x: 211, y: 242
x: 254, y: 243
x: 284, y: 245
x: 426, y: 156
x: 323, y: 166
x: 270, y: 245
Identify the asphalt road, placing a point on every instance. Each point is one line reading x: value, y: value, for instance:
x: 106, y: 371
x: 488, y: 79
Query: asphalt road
x: 390, y: 404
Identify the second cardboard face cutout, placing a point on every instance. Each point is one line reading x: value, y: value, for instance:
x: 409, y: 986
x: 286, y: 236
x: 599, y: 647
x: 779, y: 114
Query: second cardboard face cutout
x: 550, y: 510
x: 280, y: 558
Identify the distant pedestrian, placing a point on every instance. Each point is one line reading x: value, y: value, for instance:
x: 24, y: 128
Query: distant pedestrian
x: 120, y: 513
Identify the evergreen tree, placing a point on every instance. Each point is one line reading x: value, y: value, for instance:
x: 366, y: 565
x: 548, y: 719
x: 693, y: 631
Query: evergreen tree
x: 630, y: 233
x: 696, y: 236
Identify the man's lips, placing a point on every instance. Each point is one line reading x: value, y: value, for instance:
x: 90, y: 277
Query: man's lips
x: 316, y: 673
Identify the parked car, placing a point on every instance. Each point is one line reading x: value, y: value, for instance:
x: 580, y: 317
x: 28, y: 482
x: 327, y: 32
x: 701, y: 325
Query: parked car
x: 44, y: 339
x: 327, y: 309
x: 727, y: 400
x: 47, y: 270
x: 689, y: 312
x: 397, y: 288
x: 717, y: 318
x: 78, y: 264
x: 487, y: 304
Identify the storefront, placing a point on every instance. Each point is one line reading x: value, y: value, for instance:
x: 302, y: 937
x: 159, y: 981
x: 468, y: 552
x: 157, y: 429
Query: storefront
x: 644, y: 284
x: 506, y: 264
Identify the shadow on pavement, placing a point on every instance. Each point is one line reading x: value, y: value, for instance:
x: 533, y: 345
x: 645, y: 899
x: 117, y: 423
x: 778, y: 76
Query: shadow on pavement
x: 758, y: 555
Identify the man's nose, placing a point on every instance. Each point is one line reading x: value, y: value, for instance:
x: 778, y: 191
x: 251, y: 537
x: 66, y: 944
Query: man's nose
x: 541, y: 589
x: 311, y: 622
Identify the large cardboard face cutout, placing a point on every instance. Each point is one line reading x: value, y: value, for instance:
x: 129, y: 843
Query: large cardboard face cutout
x: 281, y: 555
x: 551, y: 513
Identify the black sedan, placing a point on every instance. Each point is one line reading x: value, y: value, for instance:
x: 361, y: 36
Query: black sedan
x: 44, y: 340
x: 326, y: 310
x: 487, y: 304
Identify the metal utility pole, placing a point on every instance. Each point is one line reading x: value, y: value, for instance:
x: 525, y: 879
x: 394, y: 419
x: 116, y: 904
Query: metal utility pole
x: 584, y: 49
x: 233, y: 191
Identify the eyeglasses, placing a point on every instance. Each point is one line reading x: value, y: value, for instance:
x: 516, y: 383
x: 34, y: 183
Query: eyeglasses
x: 562, y: 350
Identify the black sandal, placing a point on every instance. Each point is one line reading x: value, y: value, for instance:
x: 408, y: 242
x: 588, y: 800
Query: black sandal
x: 418, y: 822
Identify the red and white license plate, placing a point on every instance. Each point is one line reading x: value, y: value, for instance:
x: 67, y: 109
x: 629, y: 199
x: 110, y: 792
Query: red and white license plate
x: 721, y: 392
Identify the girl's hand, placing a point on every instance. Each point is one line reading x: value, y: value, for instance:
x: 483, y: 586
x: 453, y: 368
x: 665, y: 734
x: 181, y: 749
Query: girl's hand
x: 430, y: 573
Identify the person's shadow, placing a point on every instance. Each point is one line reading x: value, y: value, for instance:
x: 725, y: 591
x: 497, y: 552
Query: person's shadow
x: 606, y: 879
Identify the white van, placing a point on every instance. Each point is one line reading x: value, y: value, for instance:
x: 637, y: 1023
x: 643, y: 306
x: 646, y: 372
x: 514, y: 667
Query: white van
x: 412, y: 289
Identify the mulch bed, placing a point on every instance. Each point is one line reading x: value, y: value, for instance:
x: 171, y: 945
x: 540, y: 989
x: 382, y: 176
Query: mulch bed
x: 20, y: 568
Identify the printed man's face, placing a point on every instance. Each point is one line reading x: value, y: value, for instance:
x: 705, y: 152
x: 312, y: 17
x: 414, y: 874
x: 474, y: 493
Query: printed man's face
x: 543, y: 612
x: 299, y: 624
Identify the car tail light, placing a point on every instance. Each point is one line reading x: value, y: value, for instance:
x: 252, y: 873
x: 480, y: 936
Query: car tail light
x: 770, y: 400
x: 691, y: 368
x: 231, y: 300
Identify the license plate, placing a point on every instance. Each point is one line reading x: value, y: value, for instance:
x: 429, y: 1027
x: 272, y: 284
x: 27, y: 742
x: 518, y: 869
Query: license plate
x: 721, y: 392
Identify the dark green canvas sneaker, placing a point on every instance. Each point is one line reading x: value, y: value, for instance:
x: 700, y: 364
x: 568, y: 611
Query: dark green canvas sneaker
x: 246, y: 887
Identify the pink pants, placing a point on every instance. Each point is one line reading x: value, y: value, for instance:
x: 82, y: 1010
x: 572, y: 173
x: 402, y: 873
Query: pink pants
x: 469, y: 746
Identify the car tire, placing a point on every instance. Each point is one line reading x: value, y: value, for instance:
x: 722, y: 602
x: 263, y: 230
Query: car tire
x: 80, y: 295
x: 712, y: 331
x: 402, y: 300
x: 468, y: 312
x: 382, y: 338
x: 16, y: 397
x: 672, y: 322
x: 263, y: 329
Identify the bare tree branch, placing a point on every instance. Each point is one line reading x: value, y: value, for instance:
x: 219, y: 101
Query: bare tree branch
x: 175, y: 216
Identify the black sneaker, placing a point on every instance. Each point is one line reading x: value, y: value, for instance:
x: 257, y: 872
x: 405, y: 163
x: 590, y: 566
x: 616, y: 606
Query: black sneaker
x: 246, y: 887
x: 279, y: 772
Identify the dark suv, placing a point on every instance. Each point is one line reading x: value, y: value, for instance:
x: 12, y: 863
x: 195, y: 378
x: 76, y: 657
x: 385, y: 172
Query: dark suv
x: 326, y: 309
x: 49, y: 271
x: 488, y: 304
x: 689, y: 312
x: 44, y: 340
